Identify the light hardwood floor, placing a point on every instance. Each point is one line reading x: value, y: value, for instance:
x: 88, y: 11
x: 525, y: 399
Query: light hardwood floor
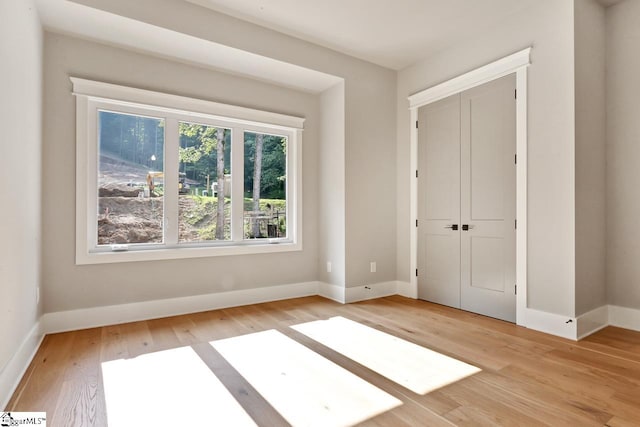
x: 527, y: 378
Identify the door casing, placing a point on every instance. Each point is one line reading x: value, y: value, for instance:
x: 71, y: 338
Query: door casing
x: 517, y: 64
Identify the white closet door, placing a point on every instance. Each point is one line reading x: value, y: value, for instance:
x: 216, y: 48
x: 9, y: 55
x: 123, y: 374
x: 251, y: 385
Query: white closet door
x: 487, y: 199
x: 439, y: 202
x: 466, y: 200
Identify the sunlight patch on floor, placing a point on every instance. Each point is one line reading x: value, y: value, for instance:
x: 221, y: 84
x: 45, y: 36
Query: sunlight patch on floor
x: 304, y: 387
x: 172, y: 387
x: 417, y: 368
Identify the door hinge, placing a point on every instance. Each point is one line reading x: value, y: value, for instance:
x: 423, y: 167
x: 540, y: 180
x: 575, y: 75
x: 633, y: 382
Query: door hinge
x: 416, y: 272
x: 515, y: 289
x: 416, y: 222
x: 416, y: 124
x: 515, y: 94
x: 416, y: 173
x: 515, y: 224
x: 515, y: 159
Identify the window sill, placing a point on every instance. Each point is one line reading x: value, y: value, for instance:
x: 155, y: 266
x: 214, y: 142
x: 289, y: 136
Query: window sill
x: 107, y: 257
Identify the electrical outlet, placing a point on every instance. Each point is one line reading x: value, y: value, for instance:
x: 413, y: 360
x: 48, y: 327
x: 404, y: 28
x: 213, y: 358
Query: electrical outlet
x: 329, y: 267
x: 373, y: 267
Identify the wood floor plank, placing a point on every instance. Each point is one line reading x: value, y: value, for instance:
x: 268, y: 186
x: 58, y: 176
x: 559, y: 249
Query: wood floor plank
x: 550, y: 405
x: 184, y: 329
x: 79, y: 407
x: 40, y: 393
x: 163, y: 336
x: 607, y: 364
x: 619, y: 338
x: 527, y: 377
x: 470, y: 395
x: 620, y: 422
x: 113, y: 345
x: 78, y: 403
x: 138, y: 338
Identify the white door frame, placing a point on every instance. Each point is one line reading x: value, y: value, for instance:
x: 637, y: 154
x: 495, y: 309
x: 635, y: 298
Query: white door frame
x: 516, y: 63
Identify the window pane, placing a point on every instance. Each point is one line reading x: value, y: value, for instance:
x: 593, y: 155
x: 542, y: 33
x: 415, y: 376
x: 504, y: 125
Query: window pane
x: 130, y: 179
x: 265, y: 186
x: 204, y: 186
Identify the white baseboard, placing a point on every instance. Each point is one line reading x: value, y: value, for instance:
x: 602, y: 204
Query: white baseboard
x: 14, y: 370
x: 593, y: 321
x: 608, y: 315
x: 623, y: 317
x: 562, y: 326
x: 406, y: 289
x: 374, y: 290
x: 332, y: 292
x: 550, y: 323
x: 585, y: 324
x: 115, y: 314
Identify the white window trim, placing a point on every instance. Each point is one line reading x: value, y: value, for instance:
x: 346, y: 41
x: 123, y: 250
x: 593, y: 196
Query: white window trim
x: 92, y: 95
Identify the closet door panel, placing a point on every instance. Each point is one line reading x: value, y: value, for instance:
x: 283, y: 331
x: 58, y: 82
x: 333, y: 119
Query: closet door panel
x: 439, y: 202
x: 487, y: 199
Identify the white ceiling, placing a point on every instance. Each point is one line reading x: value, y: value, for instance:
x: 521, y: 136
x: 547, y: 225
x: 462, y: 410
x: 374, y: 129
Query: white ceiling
x: 390, y: 33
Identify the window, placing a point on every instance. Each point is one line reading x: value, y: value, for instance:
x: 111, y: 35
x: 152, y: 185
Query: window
x: 162, y: 176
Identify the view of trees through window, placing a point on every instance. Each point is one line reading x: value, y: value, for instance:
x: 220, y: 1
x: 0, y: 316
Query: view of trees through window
x: 131, y: 182
x: 205, y: 183
x: 265, y: 186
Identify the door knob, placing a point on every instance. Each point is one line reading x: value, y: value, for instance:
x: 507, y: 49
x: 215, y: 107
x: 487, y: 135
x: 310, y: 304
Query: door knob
x: 452, y: 226
x: 467, y: 227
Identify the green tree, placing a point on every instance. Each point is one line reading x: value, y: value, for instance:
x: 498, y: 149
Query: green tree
x: 257, y: 171
x: 274, y: 165
x: 220, y: 175
x: 198, y: 151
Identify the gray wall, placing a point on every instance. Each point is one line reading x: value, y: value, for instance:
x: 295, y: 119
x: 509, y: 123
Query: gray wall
x: 371, y: 177
x: 68, y: 286
x: 331, y: 201
x: 20, y: 172
x: 370, y: 154
x: 590, y: 155
x: 547, y: 26
x: 623, y: 153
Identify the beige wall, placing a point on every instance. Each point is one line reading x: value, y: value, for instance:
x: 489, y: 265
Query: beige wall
x: 68, y: 286
x: 590, y: 155
x: 547, y: 27
x: 20, y: 157
x: 623, y: 153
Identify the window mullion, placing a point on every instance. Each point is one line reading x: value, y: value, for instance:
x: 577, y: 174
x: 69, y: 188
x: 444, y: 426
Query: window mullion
x: 171, y: 165
x: 237, y: 184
